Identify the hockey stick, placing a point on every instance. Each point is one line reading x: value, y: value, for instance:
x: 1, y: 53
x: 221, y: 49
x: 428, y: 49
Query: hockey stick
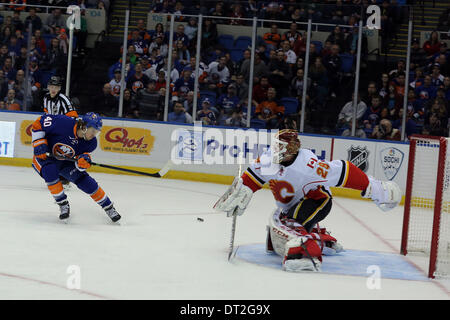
x: 233, y: 225
x: 158, y: 174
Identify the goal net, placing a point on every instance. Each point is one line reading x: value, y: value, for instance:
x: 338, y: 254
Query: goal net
x: 426, y: 221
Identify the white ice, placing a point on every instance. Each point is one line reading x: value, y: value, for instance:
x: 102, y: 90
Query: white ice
x: 161, y: 250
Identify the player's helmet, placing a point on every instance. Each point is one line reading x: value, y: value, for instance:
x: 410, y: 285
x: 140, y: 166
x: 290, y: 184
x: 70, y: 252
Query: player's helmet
x: 285, y: 144
x: 91, y: 119
x: 55, y: 81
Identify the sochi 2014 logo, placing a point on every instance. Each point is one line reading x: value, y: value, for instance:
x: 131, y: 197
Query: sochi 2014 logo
x: 391, y: 161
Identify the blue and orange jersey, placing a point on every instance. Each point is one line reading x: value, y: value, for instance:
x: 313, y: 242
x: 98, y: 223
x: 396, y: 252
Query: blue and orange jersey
x: 60, y: 133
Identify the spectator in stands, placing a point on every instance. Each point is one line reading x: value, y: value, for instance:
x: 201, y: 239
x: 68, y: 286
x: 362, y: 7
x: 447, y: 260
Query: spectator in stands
x: 433, y: 45
x: 434, y: 126
x: 437, y: 79
x: 228, y: 102
x: 337, y: 37
x: 279, y: 73
x: 272, y: 38
x: 21, y: 59
x: 260, y: 91
x: 35, y: 50
x: 236, y: 119
x: 372, y: 116
x: 345, y: 117
x: 438, y: 107
x: 260, y: 69
x: 179, y: 114
x: 188, y: 103
x: 418, y: 54
x: 34, y: 19
x: 333, y: 65
x: 290, y: 56
x: 401, y: 67
x: 206, y: 115
x: 446, y: 88
x: 418, y: 78
x: 16, y: 22
x: 8, y: 69
x: 184, y: 84
x: 269, y: 111
x: 191, y: 29
x: 237, y: 12
x: 54, y: 58
x: 411, y: 126
x: 218, y: 12
x: 6, y: 34
x: 297, y: 84
x: 3, y: 85
x: 140, y: 45
x: 219, y: 68
x: 40, y: 42
x: 148, y: 102
x: 129, y: 105
x: 209, y: 34
x: 427, y: 90
x: 11, y: 102
x: 292, y: 35
x: 182, y: 53
x: 371, y: 92
x: 142, y: 31
x: 241, y: 88
x: 385, y: 131
x: 444, y: 64
x: 116, y: 83
x: 181, y: 36
x: 55, y: 19
x: 159, y: 45
x: 105, y: 103
x: 131, y: 55
x: 138, y: 80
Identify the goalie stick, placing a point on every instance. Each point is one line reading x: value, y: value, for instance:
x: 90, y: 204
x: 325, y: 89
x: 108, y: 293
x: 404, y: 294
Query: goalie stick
x: 158, y: 174
x: 233, y: 225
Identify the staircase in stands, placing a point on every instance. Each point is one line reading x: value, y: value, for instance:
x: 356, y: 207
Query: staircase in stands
x: 426, y: 20
x: 139, y: 10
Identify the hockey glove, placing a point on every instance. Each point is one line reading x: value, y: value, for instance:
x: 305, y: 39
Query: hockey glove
x: 40, y: 148
x: 83, y: 162
x: 236, y: 198
x: 385, y: 194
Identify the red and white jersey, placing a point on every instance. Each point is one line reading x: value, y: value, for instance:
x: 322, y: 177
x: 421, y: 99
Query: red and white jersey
x: 306, y: 177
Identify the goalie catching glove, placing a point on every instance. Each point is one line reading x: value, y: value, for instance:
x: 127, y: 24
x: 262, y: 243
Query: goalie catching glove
x: 385, y: 194
x: 235, y: 200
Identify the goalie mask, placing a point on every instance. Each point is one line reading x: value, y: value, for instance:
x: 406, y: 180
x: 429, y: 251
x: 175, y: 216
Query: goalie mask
x: 285, y: 145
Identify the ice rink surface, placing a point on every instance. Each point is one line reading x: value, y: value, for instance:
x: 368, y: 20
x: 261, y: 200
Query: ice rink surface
x: 162, y: 251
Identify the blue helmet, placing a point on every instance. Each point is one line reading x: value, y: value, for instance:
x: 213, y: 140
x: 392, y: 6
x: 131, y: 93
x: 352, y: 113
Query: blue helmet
x: 91, y: 119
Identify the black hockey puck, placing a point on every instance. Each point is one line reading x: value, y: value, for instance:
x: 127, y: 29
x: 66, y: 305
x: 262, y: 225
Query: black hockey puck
x: 200, y: 219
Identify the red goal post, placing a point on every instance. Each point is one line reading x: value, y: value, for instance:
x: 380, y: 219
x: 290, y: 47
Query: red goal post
x: 426, y: 220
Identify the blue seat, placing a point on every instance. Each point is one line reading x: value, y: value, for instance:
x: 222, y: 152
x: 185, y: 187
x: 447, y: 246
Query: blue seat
x: 290, y: 105
x: 236, y: 55
x: 226, y: 41
x: 243, y: 42
x: 319, y: 46
x: 346, y: 63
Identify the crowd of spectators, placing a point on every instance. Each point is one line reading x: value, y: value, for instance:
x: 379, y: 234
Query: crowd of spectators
x: 46, y: 55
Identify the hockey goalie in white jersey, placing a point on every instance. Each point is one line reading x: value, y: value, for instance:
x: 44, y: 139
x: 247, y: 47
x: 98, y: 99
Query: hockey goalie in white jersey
x: 300, y: 185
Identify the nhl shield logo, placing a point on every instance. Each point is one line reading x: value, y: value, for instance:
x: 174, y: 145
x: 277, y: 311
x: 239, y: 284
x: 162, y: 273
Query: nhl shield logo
x: 359, y: 156
x: 391, y: 161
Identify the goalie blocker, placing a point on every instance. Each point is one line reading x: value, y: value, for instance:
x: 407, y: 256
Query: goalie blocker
x: 300, y: 185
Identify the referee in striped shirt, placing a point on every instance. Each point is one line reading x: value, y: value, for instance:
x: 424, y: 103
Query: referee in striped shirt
x: 55, y: 102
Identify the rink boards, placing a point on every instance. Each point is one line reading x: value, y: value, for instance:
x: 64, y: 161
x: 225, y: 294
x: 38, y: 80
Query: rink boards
x: 208, y: 153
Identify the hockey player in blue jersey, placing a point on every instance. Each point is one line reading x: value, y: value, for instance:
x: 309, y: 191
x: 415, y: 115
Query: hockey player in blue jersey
x: 62, y: 136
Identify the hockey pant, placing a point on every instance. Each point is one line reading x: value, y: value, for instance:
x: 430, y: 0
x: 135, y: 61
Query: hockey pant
x: 51, y: 169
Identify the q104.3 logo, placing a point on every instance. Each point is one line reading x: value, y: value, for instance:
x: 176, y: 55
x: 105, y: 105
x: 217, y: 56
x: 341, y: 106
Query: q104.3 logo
x: 391, y: 161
